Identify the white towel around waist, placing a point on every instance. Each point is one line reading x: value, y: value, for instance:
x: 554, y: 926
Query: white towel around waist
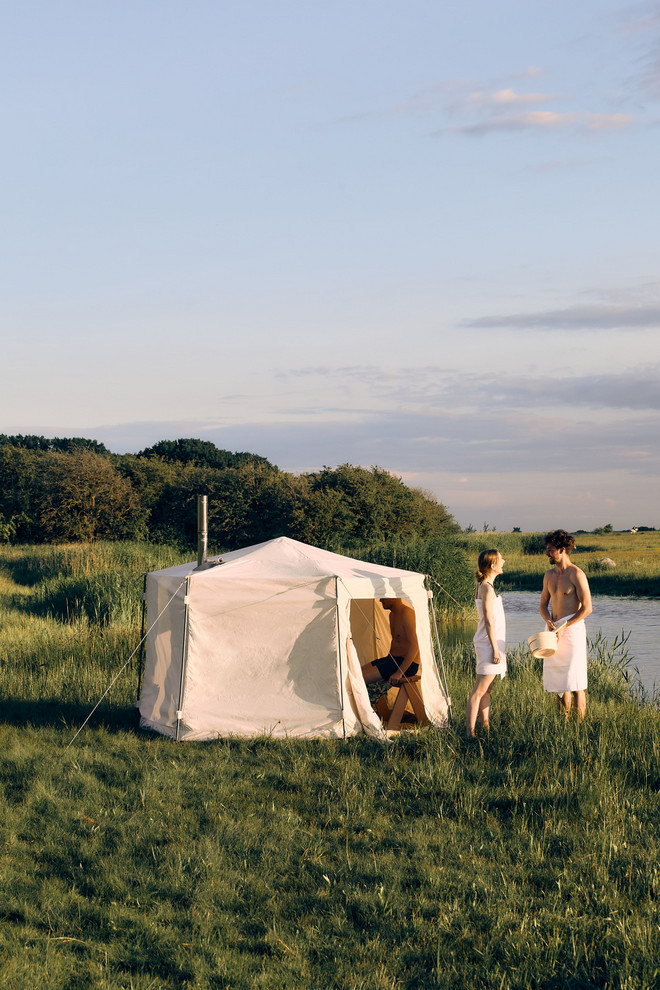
x: 566, y: 670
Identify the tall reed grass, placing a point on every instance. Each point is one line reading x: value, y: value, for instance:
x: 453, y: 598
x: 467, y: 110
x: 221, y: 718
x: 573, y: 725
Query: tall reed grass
x: 69, y: 616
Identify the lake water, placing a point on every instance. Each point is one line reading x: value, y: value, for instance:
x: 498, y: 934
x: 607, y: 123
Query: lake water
x: 612, y: 616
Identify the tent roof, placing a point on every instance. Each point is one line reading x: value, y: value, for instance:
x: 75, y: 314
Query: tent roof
x: 283, y: 557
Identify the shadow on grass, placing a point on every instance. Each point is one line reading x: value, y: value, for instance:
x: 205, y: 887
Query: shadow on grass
x: 28, y: 570
x: 69, y: 718
x: 66, y: 716
x: 99, y: 599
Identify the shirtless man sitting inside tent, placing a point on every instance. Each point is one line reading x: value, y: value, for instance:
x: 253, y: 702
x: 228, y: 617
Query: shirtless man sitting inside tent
x: 403, y: 658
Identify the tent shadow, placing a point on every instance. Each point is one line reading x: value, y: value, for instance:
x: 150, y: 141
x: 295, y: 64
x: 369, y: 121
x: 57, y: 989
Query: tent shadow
x: 304, y: 676
x: 67, y: 716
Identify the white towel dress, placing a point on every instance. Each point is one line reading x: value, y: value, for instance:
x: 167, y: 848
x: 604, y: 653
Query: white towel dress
x: 482, y: 644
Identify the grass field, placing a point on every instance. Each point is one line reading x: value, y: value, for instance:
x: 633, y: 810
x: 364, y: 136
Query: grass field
x: 530, y: 859
x: 636, y: 558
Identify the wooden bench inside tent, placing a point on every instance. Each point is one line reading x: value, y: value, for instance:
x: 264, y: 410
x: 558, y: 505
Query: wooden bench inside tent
x: 400, y: 702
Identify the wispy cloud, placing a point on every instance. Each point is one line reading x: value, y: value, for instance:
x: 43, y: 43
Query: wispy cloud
x: 603, y: 317
x: 507, y: 98
x: 641, y: 26
x: 640, y: 19
x: 473, y: 108
x: 637, y: 390
x: 544, y: 120
x: 454, y: 393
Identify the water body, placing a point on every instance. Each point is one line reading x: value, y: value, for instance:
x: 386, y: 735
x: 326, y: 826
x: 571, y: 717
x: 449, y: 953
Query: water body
x: 612, y: 617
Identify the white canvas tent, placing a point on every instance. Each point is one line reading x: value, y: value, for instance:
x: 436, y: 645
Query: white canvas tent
x: 271, y: 640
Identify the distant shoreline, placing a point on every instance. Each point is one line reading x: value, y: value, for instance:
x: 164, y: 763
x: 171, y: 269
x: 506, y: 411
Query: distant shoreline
x: 621, y: 564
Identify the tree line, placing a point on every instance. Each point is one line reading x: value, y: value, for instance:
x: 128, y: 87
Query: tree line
x: 74, y: 489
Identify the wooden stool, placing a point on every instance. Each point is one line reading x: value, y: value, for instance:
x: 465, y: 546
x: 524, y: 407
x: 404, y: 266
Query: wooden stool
x: 409, y: 691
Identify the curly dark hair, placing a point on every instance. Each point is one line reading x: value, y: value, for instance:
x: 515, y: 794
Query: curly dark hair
x: 560, y: 539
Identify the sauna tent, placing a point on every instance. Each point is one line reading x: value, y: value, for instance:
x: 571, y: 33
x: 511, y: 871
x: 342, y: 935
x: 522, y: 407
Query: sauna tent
x: 269, y: 640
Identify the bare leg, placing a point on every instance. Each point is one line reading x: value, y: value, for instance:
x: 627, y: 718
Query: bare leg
x: 564, y: 703
x: 370, y: 673
x: 572, y: 701
x: 484, y: 710
x: 482, y: 687
x: 580, y: 699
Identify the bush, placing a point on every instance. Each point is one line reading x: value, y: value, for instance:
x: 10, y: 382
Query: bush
x: 80, y: 496
x: 533, y: 543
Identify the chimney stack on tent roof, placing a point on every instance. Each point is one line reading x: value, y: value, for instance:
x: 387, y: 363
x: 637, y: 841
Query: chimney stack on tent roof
x: 202, y: 531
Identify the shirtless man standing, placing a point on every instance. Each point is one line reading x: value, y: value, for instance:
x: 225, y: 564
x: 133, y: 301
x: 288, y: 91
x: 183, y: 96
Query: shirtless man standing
x: 403, y: 658
x: 566, y: 590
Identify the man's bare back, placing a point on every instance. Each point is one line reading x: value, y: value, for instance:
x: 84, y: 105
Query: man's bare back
x: 402, y: 627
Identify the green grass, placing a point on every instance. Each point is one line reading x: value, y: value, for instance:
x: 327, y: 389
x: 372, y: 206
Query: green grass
x: 529, y: 859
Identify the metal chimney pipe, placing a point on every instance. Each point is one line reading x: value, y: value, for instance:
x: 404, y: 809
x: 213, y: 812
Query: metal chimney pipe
x: 202, y: 529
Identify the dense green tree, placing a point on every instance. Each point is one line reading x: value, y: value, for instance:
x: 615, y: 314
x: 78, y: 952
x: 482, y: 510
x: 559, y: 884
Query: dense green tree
x: 202, y: 452
x: 19, y: 471
x: 81, y: 496
x: 148, y: 476
x: 374, y: 504
x: 247, y: 505
x: 65, y: 490
x: 46, y: 444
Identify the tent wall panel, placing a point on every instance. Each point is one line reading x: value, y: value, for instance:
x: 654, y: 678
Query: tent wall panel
x: 276, y: 635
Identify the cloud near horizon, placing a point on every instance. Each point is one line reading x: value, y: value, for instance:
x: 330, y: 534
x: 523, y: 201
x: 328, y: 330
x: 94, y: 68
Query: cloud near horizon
x: 448, y: 390
x: 415, y: 442
x: 596, y: 317
x: 427, y: 425
x: 578, y: 423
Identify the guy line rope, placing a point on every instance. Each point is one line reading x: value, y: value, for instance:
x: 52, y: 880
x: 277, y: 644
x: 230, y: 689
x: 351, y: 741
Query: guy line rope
x: 125, y: 665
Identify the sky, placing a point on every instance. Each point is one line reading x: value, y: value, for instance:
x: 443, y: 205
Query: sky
x: 402, y: 233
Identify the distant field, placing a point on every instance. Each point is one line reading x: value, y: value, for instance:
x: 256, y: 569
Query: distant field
x: 636, y: 558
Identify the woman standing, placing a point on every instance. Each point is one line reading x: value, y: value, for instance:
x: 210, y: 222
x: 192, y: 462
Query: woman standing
x: 488, y: 640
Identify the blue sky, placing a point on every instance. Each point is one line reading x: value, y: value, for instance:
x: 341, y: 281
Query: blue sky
x: 417, y: 235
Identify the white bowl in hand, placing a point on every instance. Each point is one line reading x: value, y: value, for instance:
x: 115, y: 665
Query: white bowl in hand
x: 543, y: 644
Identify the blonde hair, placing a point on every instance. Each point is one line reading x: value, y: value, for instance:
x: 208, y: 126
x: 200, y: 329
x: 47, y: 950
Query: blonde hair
x: 487, y: 560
